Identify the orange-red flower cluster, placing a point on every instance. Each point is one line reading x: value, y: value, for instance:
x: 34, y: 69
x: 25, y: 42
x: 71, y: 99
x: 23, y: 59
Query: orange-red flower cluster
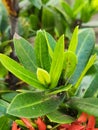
x: 41, y: 125
x: 84, y: 122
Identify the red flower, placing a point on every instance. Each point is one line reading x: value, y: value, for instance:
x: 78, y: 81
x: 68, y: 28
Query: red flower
x: 80, y: 123
x: 27, y: 123
x: 15, y: 127
x: 41, y: 125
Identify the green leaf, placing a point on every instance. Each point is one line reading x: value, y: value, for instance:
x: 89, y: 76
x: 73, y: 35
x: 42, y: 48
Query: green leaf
x: 48, y: 21
x: 20, y: 72
x: 43, y: 76
x: 50, y: 42
x: 3, y: 107
x: 41, y: 50
x: 89, y: 84
x: 31, y: 105
x: 86, y: 41
x: 89, y: 64
x: 57, y: 62
x: 78, y: 6
x: 37, y: 3
x: 8, y: 96
x: 70, y: 62
x: 89, y: 105
x: 25, y: 53
x: 59, y: 117
x: 67, y: 9
x: 4, y: 123
x: 74, y: 41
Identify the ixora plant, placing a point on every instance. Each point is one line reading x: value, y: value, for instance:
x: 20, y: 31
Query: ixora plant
x: 56, y: 94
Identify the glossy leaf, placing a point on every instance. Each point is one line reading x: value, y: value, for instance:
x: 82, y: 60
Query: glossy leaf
x: 41, y: 50
x: 70, y: 62
x: 20, y: 72
x: 89, y: 64
x: 25, y: 53
x: 57, y: 62
x: 86, y: 41
x: 74, y: 41
x: 89, y: 84
x: 89, y: 105
x: 59, y: 117
x: 31, y: 105
x: 43, y: 76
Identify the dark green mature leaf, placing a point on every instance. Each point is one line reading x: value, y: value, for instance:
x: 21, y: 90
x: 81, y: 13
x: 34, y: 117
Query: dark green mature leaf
x: 89, y: 84
x: 3, y: 107
x: 57, y: 62
x: 59, y: 117
x: 89, y: 105
x: 48, y: 19
x: 86, y: 41
x: 89, y: 64
x: 25, y: 53
x: 31, y: 105
x: 20, y: 72
x: 41, y: 50
x: 8, y: 96
x: 4, y: 123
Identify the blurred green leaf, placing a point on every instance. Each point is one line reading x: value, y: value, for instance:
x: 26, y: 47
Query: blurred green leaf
x: 4, y: 123
x: 31, y: 105
x: 37, y: 3
x: 3, y: 107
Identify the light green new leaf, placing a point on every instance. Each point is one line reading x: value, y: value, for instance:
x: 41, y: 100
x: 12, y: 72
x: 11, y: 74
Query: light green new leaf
x: 41, y: 50
x: 74, y: 41
x: 31, y: 105
x: 70, y: 62
x: 43, y: 76
x: 25, y: 53
x: 57, y: 62
x: 20, y: 72
x: 89, y: 64
x: 59, y: 117
x: 89, y: 105
x: 50, y: 42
